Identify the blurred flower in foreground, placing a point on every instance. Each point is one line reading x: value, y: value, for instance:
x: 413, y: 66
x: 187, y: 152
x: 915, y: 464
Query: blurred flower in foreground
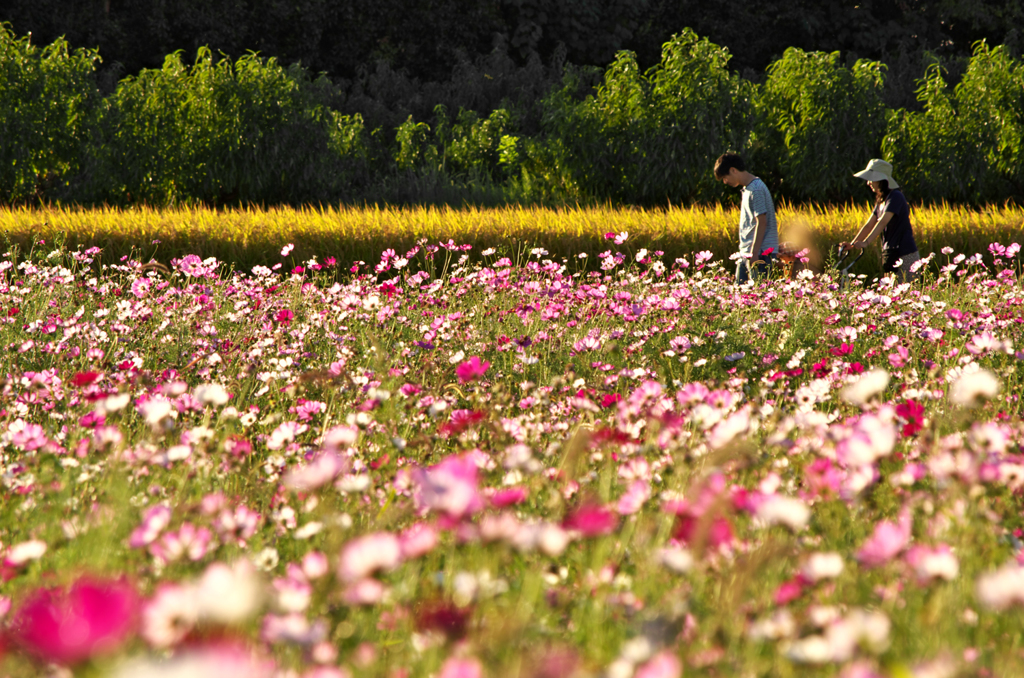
x: 973, y: 387
x: 208, y: 662
x: 887, y: 541
x: 67, y: 626
x: 591, y: 520
x: 1002, y: 588
x: 456, y: 667
x: 223, y: 594
x: 788, y: 511
x: 449, y: 486
x: 21, y: 554
x: 365, y: 555
x: 870, y: 384
x: 663, y: 665
x: 472, y: 369
x: 865, y: 629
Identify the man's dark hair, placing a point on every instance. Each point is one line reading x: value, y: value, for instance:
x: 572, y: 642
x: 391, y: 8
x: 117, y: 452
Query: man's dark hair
x: 726, y: 162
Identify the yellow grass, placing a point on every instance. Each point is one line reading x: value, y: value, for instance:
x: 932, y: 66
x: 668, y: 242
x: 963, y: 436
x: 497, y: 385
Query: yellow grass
x: 250, y: 235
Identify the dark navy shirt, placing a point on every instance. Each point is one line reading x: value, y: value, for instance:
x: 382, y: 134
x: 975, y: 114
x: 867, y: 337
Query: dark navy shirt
x: 898, y: 237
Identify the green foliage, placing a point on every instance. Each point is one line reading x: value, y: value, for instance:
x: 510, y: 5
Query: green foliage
x: 221, y: 132
x: 647, y: 137
x: 965, y: 146
x: 46, y: 98
x: 818, y: 123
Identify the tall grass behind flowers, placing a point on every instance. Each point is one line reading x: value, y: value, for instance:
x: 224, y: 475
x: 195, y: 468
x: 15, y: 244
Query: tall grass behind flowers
x: 251, y: 236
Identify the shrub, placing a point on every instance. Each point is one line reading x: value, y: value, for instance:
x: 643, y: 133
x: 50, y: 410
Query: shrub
x: 817, y: 123
x: 222, y: 132
x: 965, y: 146
x: 47, y: 96
x: 648, y: 137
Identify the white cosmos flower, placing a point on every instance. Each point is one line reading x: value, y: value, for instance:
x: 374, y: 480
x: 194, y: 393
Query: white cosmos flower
x: 822, y: 566
x: 211, y: 394
x: 870, y: 384
x: 25, y: 551
x: 676, y: 558
x: 781, y: 510
x: 229, y: 593
x: 970, y: 388
x: 113, y: 403
x: 156, y: 409
x: 1002, y: 588
x: 169, y: 615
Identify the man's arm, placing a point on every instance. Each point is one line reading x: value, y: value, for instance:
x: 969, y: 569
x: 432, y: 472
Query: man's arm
x: 759, y: 232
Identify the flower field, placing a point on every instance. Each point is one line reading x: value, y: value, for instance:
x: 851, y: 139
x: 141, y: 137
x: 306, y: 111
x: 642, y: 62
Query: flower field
x: 462, y: 462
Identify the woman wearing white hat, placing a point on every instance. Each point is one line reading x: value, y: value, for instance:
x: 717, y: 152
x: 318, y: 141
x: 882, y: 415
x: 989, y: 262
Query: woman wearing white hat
x: 891, y: 219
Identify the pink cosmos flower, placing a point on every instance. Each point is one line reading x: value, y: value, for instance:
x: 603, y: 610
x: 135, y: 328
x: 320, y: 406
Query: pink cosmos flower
x: 634, y: 498
x: 240, y: 524
x: 472, y: 369
x: 822, y: 477
x: 591, y: 520
x: 153, y: 523
x: 189, y: 540
x: 457, y: 667
x: 285, y: 433
x: 417, y: 540
x: 714, y: 532
x: 665, y: 664
x: 27, y: 436
x: 789, y: 591
x: 364, y: 592
x: 363, y: 556
x: 900, y: 357
x: 450, y: 487
x: 314, y: 565
x: 888, y: 540
x: 509, y: 496
x: 501, y: 526
x: 321, y: 470
x: 68, y: 626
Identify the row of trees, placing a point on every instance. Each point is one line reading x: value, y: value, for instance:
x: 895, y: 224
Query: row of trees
x: 230, y: 131
x: 426, y: 39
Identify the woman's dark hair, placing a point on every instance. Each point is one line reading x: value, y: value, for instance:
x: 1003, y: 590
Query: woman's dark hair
x: 883, y: 191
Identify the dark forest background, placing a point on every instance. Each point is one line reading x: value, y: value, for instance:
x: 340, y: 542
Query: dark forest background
x: 426, y: 39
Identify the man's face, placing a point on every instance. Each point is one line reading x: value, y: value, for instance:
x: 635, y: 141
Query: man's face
x: 732, y: 178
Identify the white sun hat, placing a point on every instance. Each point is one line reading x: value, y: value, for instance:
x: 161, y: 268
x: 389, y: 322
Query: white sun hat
x: 876, y: 171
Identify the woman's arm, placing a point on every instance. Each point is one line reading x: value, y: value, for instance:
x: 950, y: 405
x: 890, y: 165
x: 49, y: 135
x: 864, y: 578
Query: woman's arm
x: 869, y: 231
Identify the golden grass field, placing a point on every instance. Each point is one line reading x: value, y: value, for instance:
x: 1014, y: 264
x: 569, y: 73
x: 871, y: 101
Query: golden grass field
x: 247, y: 236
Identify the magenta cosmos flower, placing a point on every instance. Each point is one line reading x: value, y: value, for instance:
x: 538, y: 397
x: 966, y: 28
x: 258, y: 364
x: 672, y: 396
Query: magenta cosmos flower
x: 472, y: 369
x: 68, y: 626
x: 591, y: 520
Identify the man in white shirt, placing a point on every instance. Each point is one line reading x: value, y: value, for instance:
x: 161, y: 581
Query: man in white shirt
x: 759, y: 234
